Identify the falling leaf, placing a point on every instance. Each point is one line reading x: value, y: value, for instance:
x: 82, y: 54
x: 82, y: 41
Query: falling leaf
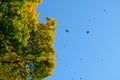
x: 81, y: 59
x: 64, y: 45
x: 81, y: 78
x: 87, y: 32
x: 105, y: 10
x: 73, y: 78
x: 67, y: 30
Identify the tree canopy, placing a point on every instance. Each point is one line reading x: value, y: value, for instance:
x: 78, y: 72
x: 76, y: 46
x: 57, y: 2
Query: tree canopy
x: 26, y: 44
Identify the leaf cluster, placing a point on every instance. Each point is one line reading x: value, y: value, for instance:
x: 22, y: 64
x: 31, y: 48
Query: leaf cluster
x: 26, y: 45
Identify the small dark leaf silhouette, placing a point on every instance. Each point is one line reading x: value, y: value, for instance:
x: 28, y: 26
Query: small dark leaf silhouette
x: 105, y: 10
x: 67, y: 30
x: 64, y: 45
x: 73, y: 78
x: 81, y: 59
x: 87, y: 32
x: 81, y: 78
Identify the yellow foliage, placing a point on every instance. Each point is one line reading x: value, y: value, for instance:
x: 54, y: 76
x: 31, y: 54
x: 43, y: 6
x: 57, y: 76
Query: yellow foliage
x: 0, y: 14
x: 25, y: 41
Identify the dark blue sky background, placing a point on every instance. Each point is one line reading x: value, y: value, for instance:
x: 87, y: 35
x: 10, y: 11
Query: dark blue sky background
x: 93, y: 56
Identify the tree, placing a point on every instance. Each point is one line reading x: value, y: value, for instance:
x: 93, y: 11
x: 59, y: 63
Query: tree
x: 26, y: 45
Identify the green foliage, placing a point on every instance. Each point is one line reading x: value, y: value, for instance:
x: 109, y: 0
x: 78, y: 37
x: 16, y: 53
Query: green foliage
x: 26, y: 45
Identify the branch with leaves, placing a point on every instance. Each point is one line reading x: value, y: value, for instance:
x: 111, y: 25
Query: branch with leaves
x: 24, y: 41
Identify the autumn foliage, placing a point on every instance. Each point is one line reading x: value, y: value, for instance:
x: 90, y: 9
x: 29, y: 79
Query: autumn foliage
x: 26, y: 45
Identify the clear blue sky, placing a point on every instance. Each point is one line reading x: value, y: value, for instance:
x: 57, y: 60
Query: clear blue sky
x: 99, y: 50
